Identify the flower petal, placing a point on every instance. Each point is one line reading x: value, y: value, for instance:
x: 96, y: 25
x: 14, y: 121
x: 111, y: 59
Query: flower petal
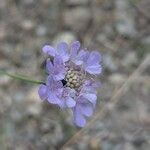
x: 47, y: 49
x: 59, y: 69
x: 58, y: 60
x: 90, y: 96
x: 42, y: 92
x: 63, y: 51
x: 74, y: 48
x: 94, y: 69
x: 49, y: 66
x: 59, y: 76
x: 78, y: 117
x: 91, y: 64
x: 70, y: 102
x: 62, y: 103
x: 49, y: 81
x: 62, y: 46
x: 53, y: 99
x: 94, y: 58
x: 52, y: 84
x: 87, y: 110
x: 80, y: 57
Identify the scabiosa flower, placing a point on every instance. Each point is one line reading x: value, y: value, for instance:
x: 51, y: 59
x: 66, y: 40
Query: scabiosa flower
x: 70, y: 82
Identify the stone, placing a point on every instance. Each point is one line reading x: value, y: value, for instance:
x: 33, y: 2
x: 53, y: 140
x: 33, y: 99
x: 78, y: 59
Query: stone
x: 27, y: 25
x: 95, y: 144
x: 146, y: 40
x: 16, y: 114
x: 5, y: 102
x: 68, y: 148
x: 5, y: 80
x: 41, y: 30
x: 117, y: 78
x: 77, y: 2
x: 129, y: 146
x: 77, y: 18
x: 144, y: 7
x: 124, y: 19
x: 28, y: 2
x: 109, y: 63
x: 54, y: 132
x: 3, y: 30
x: 67, y: 37
x: 33, y: 103
x: 130, y: 59
x: 108, y: 146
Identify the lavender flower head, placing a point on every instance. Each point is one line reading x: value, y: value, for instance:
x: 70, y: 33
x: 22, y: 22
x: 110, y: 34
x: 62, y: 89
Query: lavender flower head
x: 70, y: 82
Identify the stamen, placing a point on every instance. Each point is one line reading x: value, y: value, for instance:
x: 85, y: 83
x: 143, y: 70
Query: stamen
x: 74, y: 78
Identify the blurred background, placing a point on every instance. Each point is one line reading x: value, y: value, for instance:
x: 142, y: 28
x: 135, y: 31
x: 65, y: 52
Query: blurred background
x: 120, y: 30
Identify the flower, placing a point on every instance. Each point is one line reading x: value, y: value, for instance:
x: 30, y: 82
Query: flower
x: 70, y: 83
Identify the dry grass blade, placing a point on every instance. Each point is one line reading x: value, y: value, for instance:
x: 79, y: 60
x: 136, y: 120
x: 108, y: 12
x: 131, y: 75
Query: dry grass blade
x: 115, y: 98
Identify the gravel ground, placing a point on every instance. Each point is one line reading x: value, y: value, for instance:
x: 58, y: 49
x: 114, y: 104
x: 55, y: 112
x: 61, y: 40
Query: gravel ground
x: 119, y: 29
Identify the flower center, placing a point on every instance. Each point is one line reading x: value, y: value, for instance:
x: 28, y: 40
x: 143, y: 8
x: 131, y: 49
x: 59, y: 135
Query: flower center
x: 74, y: 78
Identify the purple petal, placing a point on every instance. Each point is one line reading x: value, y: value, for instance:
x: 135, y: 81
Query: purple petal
x: 78, y: 117
x: 70, y: 102
x: 53, y: 99
x: 63, y: 51
x: 94, y: 58
x: 59, y: 69
x: 52, y: 84
x: 74, y: 48
x: 62, y: 46
x: 58, y: 60
x: 90, y: 96
x: 62, y: 103
x: 59, y: 76
x: 47, y: 49
x: 94, y: 69
x: 80, y: 58
x: 91, y: 86
x: 92, y: 65
x: 49, y: 81
x: 49, y: 66
x: 82, y: 53
x: 42, y: 92
x: 58, y: 86
x: 81, y: 100
x: 87, y: 110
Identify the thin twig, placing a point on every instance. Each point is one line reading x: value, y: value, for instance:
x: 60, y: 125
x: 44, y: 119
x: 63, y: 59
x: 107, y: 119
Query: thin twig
x: 20, y: 77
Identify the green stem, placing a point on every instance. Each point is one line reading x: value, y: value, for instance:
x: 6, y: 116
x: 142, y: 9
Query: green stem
x: 20, y: 77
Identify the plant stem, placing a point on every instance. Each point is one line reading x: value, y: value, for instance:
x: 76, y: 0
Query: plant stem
x: 21, y: 77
